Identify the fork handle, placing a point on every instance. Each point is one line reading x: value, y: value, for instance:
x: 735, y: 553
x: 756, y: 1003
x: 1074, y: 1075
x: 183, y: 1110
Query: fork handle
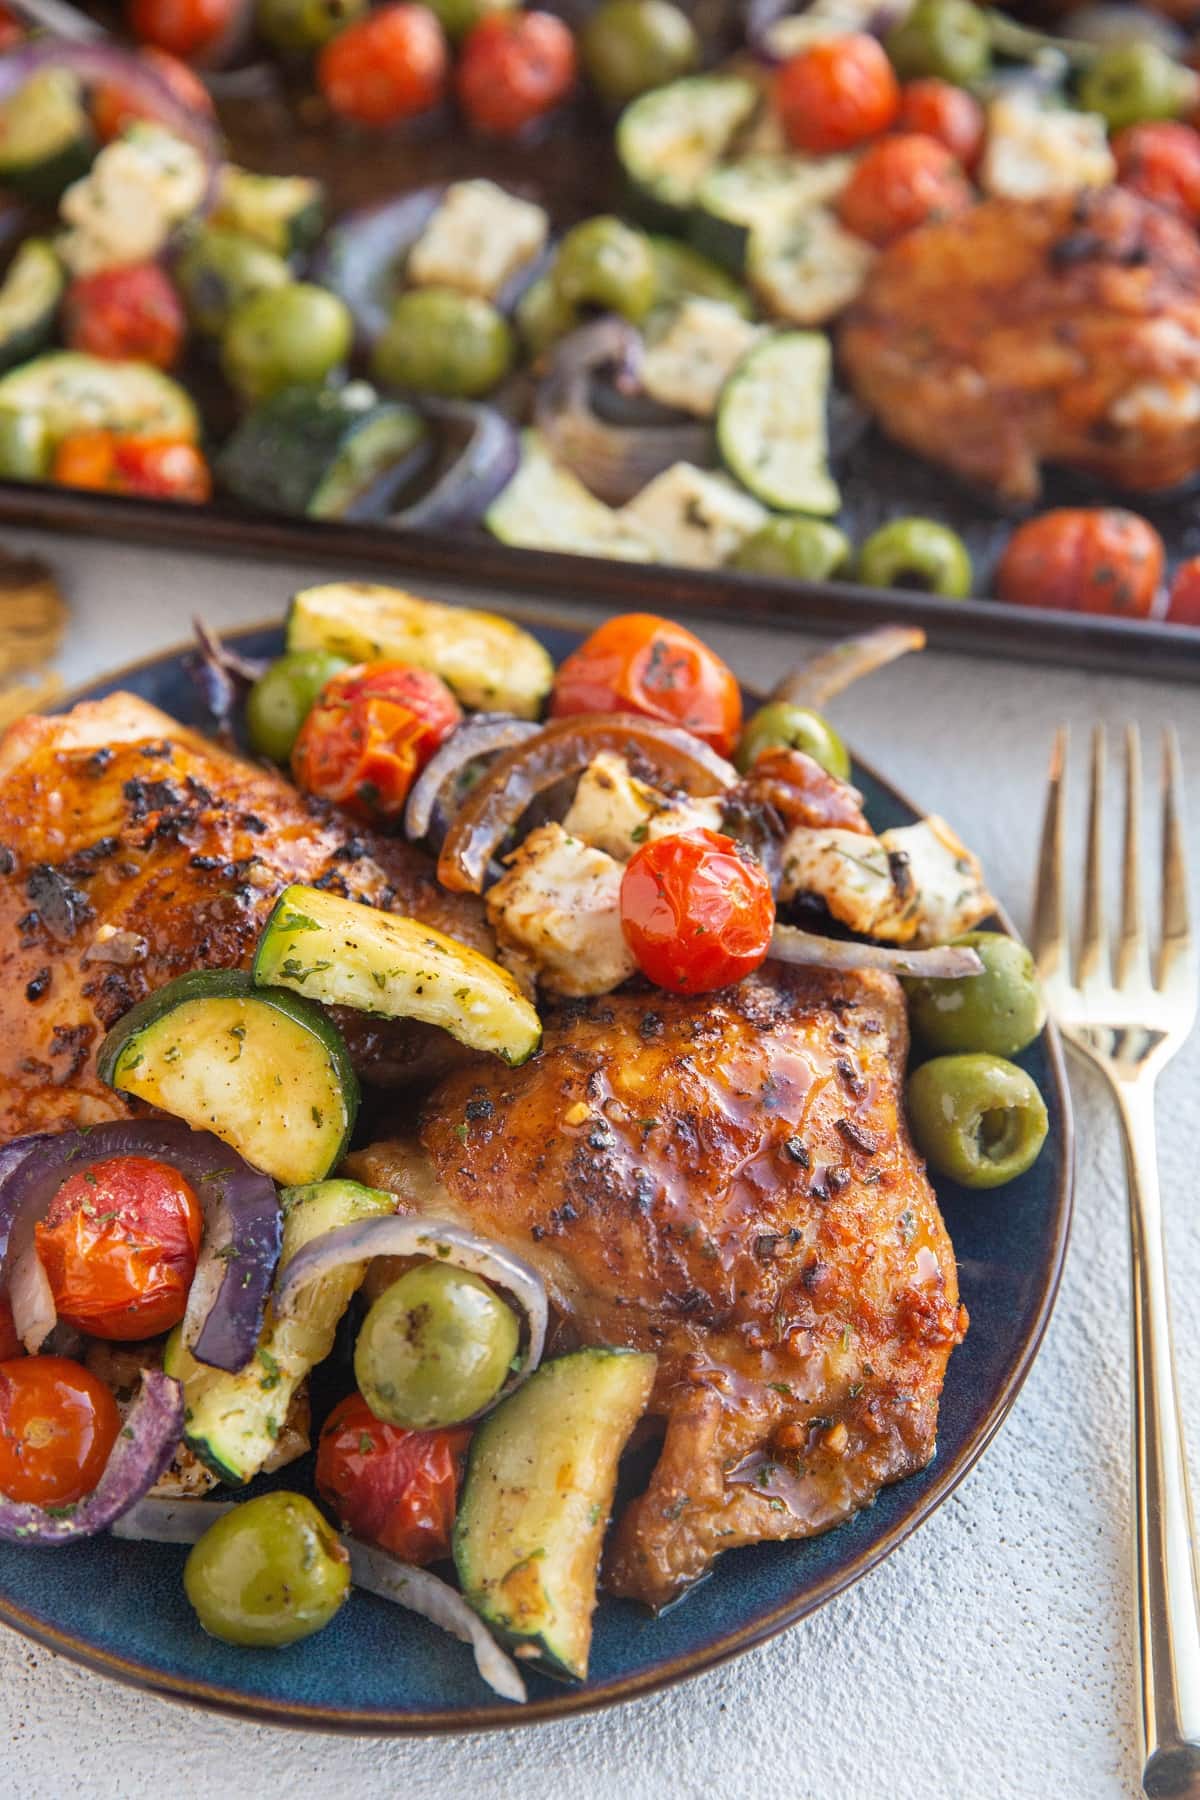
x: 1166, y: 1573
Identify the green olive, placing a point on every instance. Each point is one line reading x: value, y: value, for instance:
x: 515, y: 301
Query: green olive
x: 436, y: 1347
x: 293, y: 336
x: 219, y: 270
x: 949, y: 38
x: 781, y: 726
x: 458, y: 17
x: 26, y: 450
x: 282, y: 698
x: 268, y: 1573
x: 1000, y: 1011
x: 302, y: 26
x: 607, y: 264
x: 1130, y: 83
x: 543, y: 316
x: 977, y: 1118
x: 802, y: 549
x: 630, y: 46
x: 441, y: 342
x: 917, y: 554
x: 680, y: 271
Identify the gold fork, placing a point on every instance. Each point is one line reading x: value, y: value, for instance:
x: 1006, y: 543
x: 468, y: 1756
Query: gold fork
x: 1129, y: 1024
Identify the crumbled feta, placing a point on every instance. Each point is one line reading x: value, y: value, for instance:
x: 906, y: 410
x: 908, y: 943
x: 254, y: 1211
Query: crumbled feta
x: 948, y: 891
x: 615, y: 812
x: 693, y: 517
x: 1033, y: 149
x: 688, y: 365
x: 558, y: 903
x: 851, y: 873
x: 124, y: 209
x: 477, y: 240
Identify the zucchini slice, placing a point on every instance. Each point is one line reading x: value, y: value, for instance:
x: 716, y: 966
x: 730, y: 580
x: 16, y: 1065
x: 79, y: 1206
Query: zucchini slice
x: 772, y: 428
x: 759, y: 191
x: 76, y: 392
x: 668, y: 139
x: 322, y: 453
x: 284, y: 212
x: 490, y: 664
x: 347, y: 954
x: 46, y: 139
x: 231, y: 1422
x: 546, y: 507
x: 806, y: 268
x: 682, y: 273
x: 536, y: 1502
x: 264, y: 1071
x: 29, y: 297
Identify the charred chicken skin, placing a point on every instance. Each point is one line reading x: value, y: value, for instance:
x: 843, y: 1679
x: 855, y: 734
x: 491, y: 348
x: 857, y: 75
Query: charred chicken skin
x: 729, y: 1182
x: 1062, y: 330
x: 133, y: 850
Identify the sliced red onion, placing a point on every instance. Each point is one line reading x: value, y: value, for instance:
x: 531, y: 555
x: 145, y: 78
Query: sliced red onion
x: 835, y: 669
x: 614, y: 461
x: 241, y: 1228
x: 222, y: 676
x: 480, y: 453
x: 405, y: 1584
x: 103, y: 65
x: 804, y: 948
x: 400, y: 1234
x: 144, y: 1448
x: 363, y: 256
x: 156, y: 1521
x: 482, y: 735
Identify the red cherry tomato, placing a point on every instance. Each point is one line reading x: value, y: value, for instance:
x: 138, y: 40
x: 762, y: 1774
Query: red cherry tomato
x: 899, y: 183
x: 390, y: 1486
x: 1084, y: 559
x: 125, y: 313
x: 12, y: 30
x: 58, y: 1424
x: 696, y: 913
x: 639, y: 663
x: 938, y: 109
x: 153, y: 468
x: 1183, y: 606
x: 837, y: 94
x: 370, y: 734
x: 119, y: 1247
x: 1161, y: 161
x: 113, y: 110
x: 387, y: 67
x: 182, y: 27
x: 514, y: 68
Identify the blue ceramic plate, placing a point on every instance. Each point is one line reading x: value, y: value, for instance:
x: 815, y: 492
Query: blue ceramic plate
x: 121, y: 1609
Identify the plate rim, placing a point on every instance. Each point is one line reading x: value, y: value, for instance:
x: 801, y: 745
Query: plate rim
x: 569, y: 1702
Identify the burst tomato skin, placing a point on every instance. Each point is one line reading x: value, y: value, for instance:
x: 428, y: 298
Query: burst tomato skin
x: 154, y: 468
x: 119, y: 1246
x: 1084, y: 559
x: 12, y: 31
x: 387, y: 67
x: 899, y: 183
x: 132, y: 312
x: 514, y: 68
x: 1183, y: 606
x: 390, y: 1486
x: 1161, y: 161
x: 113, y: 111
x: 639, y: 663
x: 696, y: 913
x: 837, y: 94
x: 182, y: 27
x: 369, y: 735
x: 938, y: 109
x: 58, y: 1424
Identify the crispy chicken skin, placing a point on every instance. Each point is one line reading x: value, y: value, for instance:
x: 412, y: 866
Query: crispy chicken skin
x: 133, y: 850
x: 727, y: 1181
x: 1062, y: 330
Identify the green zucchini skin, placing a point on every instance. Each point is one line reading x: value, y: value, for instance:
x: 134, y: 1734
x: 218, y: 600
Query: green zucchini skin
x: 48, y: 141
x: 148, y: 1051
x: 284, y: 212
x: 535, y: 1504
x: 29, y: 299
x: 661, y: 185
x: 78, y: 392
x: 321, y: 453
x: 772, y: 429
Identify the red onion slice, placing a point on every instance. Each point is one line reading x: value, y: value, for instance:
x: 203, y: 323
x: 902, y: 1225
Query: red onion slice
x: 156, y: 1521
x: 805, y: 949
x: 483, y: 735
x: 480, y: 453
x: 411, y: 1234
x: 844, y: 663
x: 144, y: 1448
x: 405, y: 1584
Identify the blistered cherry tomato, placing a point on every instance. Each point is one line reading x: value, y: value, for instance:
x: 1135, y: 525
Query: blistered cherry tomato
x: 152, y: 468
x: 389, y: 66
x: 899, y: 183
x: 697, y: 913
x: 130, y: 313
x: 369, y: 735
x: 938, y: 109
x: 1084, y: 559
x: 639, y: 663
x: 114, y: 110
x: 1161, y: 161
x: 837, y: 94
x: 1183, y: 606
x: 391, y: 1486
x: 12, y: 30
x: 58, y: 1425
x: 119, y: 1247
x: 515, y: 67
x: 184, y: 27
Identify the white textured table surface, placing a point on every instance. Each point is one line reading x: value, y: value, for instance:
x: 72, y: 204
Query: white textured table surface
x: 992, y: 1655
